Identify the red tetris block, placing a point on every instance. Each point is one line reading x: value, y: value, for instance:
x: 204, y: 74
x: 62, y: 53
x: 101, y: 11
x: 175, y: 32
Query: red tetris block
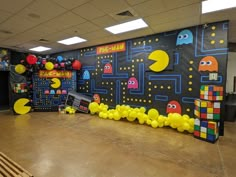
x: 196, y: 133
x: 216, y: 110
x: 203, y: 115
x: 202, y: 96
x: 210, y: 93
x: 211, y: 125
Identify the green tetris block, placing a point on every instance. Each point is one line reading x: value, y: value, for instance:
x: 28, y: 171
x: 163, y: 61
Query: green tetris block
x: 217, y: 93
x: 196, y: 127
x: 216, y: 116
x: 210, y: 131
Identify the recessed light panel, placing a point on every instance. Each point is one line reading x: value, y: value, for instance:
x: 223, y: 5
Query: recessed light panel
x: 72, y: 40
x: 216, y: 5
x: 128, y: 26
x: 40, y: 49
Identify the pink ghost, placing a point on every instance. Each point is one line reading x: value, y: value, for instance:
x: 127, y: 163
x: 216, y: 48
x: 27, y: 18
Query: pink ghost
x: 132, y: 83
x: 108, y: 68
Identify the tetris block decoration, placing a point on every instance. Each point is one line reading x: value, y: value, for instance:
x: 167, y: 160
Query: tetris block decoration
x: 206, y: 130
x: 207, y: 110
x: 211, y: 92
x: 20, y: 88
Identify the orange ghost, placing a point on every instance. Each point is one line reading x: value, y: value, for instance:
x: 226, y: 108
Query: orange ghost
x: 208, y: 63
x: 96, y: 98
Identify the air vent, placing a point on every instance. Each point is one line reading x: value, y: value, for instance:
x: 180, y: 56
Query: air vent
x: 5, y: 32
x: 43, y: 40
x: 125, y: 13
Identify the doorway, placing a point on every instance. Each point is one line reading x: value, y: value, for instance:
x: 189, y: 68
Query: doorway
x: 4, y: 90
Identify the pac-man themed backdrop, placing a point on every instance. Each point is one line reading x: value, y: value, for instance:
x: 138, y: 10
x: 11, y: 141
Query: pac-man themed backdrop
x: 50, y: 88
x: 163, y: 71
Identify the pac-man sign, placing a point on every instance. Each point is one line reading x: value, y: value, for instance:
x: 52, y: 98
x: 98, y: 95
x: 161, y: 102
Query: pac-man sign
x: 105, y: 49
x: 55, y: 74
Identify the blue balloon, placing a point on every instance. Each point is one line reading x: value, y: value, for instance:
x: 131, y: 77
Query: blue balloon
x: 59, y: 58
x: 185, y: 37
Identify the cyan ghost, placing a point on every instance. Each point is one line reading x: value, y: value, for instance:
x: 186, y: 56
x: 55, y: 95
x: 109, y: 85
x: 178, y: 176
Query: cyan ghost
x: 86, y: 75
x: 184, y: 37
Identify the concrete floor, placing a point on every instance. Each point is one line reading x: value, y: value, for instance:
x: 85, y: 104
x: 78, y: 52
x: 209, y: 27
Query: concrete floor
x: 81, y: 145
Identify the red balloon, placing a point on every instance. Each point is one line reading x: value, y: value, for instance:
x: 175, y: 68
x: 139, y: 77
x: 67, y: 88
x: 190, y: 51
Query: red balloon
x: 76, y: 65
x: 31, y: 59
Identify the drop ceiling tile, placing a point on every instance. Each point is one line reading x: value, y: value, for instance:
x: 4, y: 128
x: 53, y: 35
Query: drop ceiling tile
x: 4, y: 16
x: 104, y: 21
x: 14, y: 6
x: 88, y: 11
x: 96, y: 34
x: 174, y: 15
x: 82, y: 28
x: 16, y: 24
x: 70, y: 4
x: 42, y: 10
x: 179, y: 3
x: 110, y: 6
x: 64, y: 21
x: 134, y: 2
x: 149, y: 8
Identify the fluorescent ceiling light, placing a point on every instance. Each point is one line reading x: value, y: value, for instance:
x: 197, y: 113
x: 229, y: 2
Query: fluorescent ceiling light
x: 72, y: 40
x: 40, y: 49
x: 216, y: 5
x: 128, y: 26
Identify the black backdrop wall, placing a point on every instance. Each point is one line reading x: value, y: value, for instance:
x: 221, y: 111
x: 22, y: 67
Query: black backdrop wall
x: 123, y: 72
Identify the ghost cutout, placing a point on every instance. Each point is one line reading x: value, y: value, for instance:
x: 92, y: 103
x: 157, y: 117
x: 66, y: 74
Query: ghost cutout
x: 86, y: 75
x: 208, y: 63
x: 96, y: 98
x: 108, y: 68
x: 132, y: 83
x: 173, y: 107
x: 184, y: 37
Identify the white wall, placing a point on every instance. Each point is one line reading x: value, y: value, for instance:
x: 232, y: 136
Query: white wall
x: 231, y: 71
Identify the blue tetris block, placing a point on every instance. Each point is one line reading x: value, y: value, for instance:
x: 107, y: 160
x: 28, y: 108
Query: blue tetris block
x: 204, y: 124
x: 214, y: 93
x: 203, y: 110
x: 210, y: 88
x: 211, y: 137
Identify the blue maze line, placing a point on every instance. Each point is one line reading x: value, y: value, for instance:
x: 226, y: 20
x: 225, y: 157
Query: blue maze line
x: 96, y: 90
x: 141, y: 49
x: 116, y: 74
x: 105, y: 61
x: 81, y: 82
x: 176, y: 58
x: 177, y: 78
x: 188, y: 99
x: 89, y: 54
x: 88, y: 68
x: 207, y: 54
x: 117, y: 92
x: 128, y: 47
x: 161, y: 97
x: 205, y: 79
x: 170, y: 33
x: 225, y: 26
x: 140, y: 90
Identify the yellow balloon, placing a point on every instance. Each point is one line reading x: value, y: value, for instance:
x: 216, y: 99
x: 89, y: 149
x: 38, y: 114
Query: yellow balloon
x: 20, y: 69
x: 153, y: 114
x: 49, y: 66
x: 154, y: 124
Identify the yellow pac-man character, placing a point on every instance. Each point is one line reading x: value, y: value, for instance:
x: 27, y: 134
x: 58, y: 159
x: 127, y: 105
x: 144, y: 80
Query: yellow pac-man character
x: 56, y: 83
x: 161, y: 59
x: 20, y: 106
